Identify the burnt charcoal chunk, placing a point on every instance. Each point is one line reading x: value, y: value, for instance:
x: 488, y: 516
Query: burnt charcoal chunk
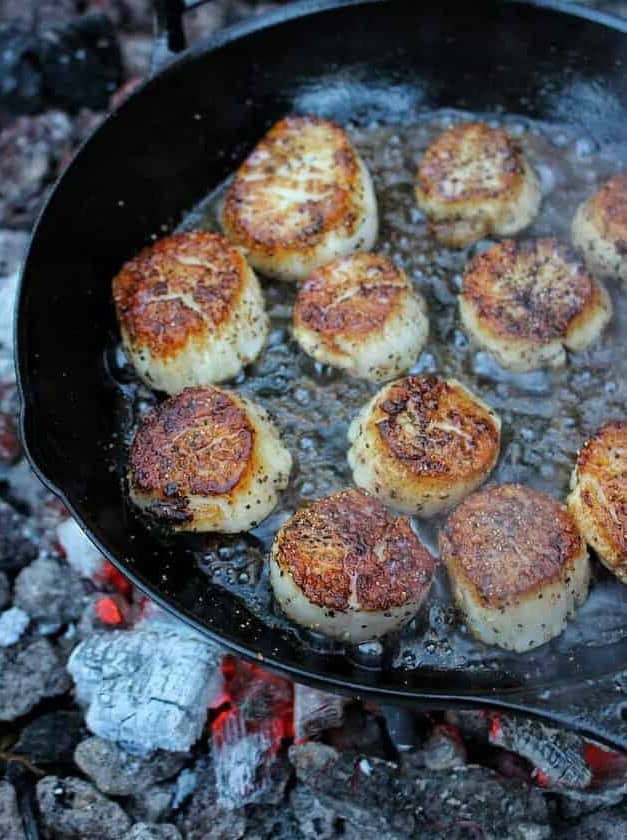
x: 21, y: 79
x: 10, y: 447
x: 31, y: 151
x: 413, y: 801
x: 152, y: 831
x: 70, y: 62
x: 50, y: 591
x: 72, y: 809
x: 5, y: 590
x: 28, y: 674
x: 52, y: 738
x: 153, y: 804
x: 204, y: 811
x: 17, y: 546
x: 10, y: 820
x: 81, y: 63
x: 39, y: 13
x: 608, y: 824
x: 119, y: 773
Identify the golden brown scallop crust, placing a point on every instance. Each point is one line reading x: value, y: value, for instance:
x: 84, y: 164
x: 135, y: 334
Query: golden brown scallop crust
x: 608, y: 210
x: 468, y: 178
x: 509, y: 541
x: 350, y: 297
x: 469, y: 162
x: 252, y: 216
x: 601, y: 473
x: 182, y: 287
x: 435, y: 429
x: 536, y: 290
x: 348, y: 547
x: 199, y: 442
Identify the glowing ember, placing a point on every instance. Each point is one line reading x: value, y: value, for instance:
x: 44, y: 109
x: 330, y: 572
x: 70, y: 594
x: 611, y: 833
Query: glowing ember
x: 451, y: 732
x: 604, y: 762
x: 254, y: 716
x: 540, y: 777
x: 108, y: 611
x: 111, y: 575
x: 496, y: 729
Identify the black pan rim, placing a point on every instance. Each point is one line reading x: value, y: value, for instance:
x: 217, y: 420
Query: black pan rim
x: 512, y: 698
x: 301, y: 8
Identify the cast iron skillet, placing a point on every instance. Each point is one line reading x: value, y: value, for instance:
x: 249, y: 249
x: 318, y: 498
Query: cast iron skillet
x: 179, y: 136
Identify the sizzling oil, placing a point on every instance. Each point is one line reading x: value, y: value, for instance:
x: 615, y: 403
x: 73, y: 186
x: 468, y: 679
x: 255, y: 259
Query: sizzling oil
x: 546, y: 415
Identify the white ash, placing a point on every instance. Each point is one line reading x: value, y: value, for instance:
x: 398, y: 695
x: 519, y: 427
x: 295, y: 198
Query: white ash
x: 71, y: 808
x: 8, y: 290
x: 13, y: 244
x: 247, y: 769
x: 119, y: 773
x: 28, y: 674
x: 80, y: 552
x: 557, y: 753
x: 148, y: 688
x: 13, y: 624
x: 186, y: 784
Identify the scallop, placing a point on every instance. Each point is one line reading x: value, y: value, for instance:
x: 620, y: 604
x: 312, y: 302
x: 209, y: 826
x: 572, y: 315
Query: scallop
x: 207, y: 460
x: 473, y: 182
x: 598, y: 500
x: 302, y: 197
x: 361, y: 314
x: 346, y: 567
x: 190, y: 311
x: 517, y: 564
x: 600, y: 229
x: 423, y: 443
x: 526, y: 302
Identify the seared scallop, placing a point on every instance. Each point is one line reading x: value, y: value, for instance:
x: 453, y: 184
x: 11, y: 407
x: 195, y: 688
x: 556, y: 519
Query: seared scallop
x: 361, y: 314
x: 302, y: 198
x: 207, y: 460
x: 474, y: 181
x: 526, y: 302
x: 517, y: 565
x: 346, y: 567
x: 599, y: 495
x: 600, y: 229
x: 423, y: 443
x: 190, y: 311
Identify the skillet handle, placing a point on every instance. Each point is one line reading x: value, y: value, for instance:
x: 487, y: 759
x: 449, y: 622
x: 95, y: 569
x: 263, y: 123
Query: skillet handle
x: 169, y: 33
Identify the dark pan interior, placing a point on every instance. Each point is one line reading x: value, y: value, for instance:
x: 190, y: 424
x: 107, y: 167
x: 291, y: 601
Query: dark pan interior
x: 177, y: 139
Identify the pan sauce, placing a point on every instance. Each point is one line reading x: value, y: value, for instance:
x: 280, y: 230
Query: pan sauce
x: 546, y: 415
